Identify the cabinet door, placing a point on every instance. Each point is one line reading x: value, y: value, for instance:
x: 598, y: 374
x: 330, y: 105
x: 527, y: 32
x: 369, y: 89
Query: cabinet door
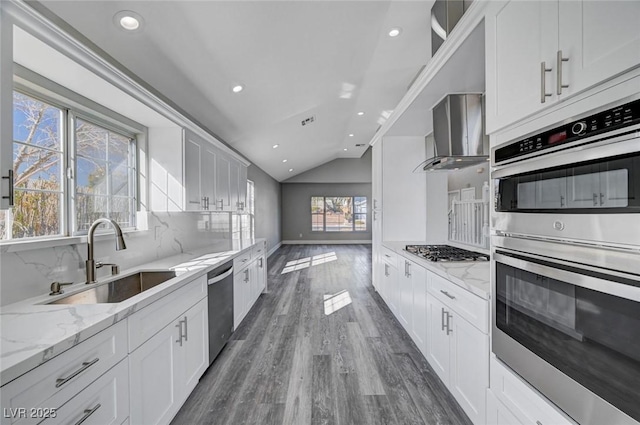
x: 600, y: 38
x: 223, y: 192
x: 391, y: 289
x: 419, y: 316
x: 438, y: 347
x: 192, y: 173
x: 196, y: 345
x: 583, y: 190
x: 520, y: 36
x: 469, y: 372
x: 153, y: 367
x: 405, y: 286
x: 242, y: 187
x: 262, y: 274
x: 208, y: 167
x: 238, y: 299
x: 614, y: 188
x: 6, y: 105
x: 498, y: 414
x: 247, y: 295
x: 551, y: 193
x: 234, y: 184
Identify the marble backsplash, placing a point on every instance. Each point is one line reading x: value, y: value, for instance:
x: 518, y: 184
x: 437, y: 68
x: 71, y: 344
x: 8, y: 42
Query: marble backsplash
x: 25, y: 273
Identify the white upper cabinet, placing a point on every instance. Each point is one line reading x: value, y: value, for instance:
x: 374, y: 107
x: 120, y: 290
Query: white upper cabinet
x: 192, y: 174
x: 6, y: 108
x: 223, y: 183
x: 539, y: 53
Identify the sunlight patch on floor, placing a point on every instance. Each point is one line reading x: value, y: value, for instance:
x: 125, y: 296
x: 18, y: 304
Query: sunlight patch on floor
x: 335, y: 302
x: 303, y: 263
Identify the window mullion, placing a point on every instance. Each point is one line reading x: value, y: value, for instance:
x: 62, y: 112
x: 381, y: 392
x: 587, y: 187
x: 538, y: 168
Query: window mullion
x: 66, y: 125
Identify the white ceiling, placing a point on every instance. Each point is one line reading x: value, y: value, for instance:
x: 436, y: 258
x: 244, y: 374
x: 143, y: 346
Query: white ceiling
x: 327, y: 59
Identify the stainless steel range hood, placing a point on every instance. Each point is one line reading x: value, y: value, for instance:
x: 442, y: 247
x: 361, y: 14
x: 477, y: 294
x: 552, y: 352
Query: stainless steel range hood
x: 458, y: 130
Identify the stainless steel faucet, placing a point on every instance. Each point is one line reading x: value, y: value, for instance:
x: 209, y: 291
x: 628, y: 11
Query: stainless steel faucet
x: 91, y: 264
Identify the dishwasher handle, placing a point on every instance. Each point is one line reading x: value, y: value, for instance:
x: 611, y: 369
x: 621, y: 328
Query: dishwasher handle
x: 218, y: 278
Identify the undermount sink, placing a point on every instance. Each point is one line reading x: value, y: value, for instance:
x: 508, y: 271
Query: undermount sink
x: 118, y: 290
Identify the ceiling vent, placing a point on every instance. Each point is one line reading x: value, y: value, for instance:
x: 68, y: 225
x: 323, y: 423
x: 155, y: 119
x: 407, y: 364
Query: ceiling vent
x: 308, y: 120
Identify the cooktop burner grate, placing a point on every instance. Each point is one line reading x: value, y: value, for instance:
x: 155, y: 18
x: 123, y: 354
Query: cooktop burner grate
x: 445, y: 253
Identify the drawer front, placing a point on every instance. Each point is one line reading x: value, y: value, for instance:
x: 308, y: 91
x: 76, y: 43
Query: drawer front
x: 242, y: 260
x: 150, y: 320
x: 473, y: 308
x: 105, y: 402
x: 259, y: 249
x: 389, y: 256
x: 58, y: 380
x: 529, y: 406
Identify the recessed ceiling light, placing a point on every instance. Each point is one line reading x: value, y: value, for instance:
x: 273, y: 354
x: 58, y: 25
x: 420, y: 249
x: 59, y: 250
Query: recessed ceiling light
x: 275, y: 146
x: 238, y: 88
x: 395, y: 32
x: 128, y: 21
x: 290, y: 170
x: 360, y: 113
x: 344, y: 149
x: 351, y: 134
x: 284, y: 160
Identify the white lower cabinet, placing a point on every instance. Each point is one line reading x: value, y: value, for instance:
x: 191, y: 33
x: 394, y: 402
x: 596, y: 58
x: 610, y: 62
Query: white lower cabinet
x: 456, y: 349
x: 249, y: 281
x: 104, y: 402
x: 165, y: 369
x: 516, y: 399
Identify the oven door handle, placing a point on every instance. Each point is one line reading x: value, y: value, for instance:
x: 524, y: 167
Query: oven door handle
x: 584, y: 276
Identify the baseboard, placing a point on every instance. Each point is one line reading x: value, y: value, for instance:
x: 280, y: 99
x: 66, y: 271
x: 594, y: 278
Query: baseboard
x: 274, y: 249
x: 326, y: 242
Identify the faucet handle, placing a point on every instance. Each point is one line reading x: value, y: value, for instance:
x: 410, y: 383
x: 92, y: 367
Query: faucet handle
x: 56, y: 287
x: 115, y: 269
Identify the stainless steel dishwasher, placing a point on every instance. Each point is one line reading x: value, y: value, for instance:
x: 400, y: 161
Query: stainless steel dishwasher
x: 220, y: 297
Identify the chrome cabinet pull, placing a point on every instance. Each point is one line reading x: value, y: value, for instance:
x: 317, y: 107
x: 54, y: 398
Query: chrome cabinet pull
x: 442, y: 318
x: 602, y: 199
x: 186, y: 329
x: 408, y: 269
x: 561, y: 201
x: 449, y: 317
x: 543, y: 88
x: 386, y: 270
x: 180, y: 336
x: 595, y: 199
x: 10, y: 197
x: 559, y: 84
x: 387, y: 255
x: 87, y: 413
x: 448, y: 294
x: 85, y: 365
x: 246, y: 275
x: 538, y: 423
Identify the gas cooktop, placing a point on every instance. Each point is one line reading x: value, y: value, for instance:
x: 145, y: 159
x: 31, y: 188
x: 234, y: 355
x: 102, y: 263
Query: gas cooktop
x: 445, y: 253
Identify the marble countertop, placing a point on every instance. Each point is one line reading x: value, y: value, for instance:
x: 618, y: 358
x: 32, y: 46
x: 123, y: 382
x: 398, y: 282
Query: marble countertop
x: 471, y: 275
x: 33, y: 332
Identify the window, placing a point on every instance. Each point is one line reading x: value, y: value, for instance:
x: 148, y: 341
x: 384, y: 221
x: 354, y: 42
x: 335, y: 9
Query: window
x: 65, y: 179
x: 338, y: 213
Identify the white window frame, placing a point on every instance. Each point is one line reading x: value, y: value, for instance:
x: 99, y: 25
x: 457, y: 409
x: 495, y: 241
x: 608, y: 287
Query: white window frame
x: 324, y: 214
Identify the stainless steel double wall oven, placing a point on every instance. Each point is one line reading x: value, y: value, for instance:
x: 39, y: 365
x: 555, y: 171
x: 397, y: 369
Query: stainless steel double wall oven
x: 566, y: 263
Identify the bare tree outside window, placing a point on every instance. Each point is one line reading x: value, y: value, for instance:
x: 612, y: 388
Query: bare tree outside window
x: 338, y: 214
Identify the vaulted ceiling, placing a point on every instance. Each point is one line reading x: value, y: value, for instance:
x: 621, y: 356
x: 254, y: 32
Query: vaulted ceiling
x: 325, y: 60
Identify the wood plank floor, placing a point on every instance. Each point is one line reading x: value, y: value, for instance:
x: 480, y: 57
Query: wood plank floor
x: 293, y: 361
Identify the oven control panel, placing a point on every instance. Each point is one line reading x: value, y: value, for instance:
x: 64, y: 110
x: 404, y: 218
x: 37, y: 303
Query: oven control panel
x: 611, y: 119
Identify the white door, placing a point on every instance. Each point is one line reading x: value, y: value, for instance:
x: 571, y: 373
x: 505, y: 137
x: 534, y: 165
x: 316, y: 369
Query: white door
x: 419, y: 316
x: 498, y: 414
x: 438, y: 350
x: 614, y: 188
x: 468, y: 193
x: 195, y: 347
x: 469, y: 372
x: 600, y: 38
x: 153, y: 368
x: 520, y: 36
x: 192, y: 173
x: 551, y: 193
x: 223, y: 192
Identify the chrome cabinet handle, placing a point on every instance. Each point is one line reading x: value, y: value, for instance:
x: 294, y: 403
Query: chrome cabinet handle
x: 87, y: 413
x: 246, y: 274
x: 448, y: 294
x: 561, y: 201
x: 602, y: 199
x: 449, y: 317
x: 387, y: 255
x: 595, y: 199
x: 538, y: 423
x: 180, y: 336
x: 386, y: 270
x: 10, y: 197
x: 375, y: 216
x: 442, y: 318
x: 543, y: 88
x: 408, y: 269
x: 260, y: 262
x: 85, y: 365
x: 559, y: 84
x: 186, y: 329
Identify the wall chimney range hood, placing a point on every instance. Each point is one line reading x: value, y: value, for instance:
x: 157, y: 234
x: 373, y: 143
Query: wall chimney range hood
x: 458, y: 132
